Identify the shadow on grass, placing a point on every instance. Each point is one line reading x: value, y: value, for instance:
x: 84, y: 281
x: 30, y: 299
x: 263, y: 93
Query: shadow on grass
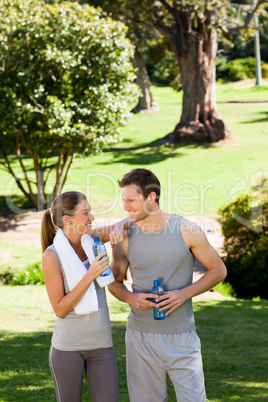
x: 24, y: 370
x: 260, y: 120
x: 153, y: 152
x: 234, y: 346
x: 144, y: 154
x: 14, y: 205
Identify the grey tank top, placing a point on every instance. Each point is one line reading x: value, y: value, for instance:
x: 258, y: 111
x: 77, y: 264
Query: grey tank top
x: 83, y: 332
x: 161, y: 255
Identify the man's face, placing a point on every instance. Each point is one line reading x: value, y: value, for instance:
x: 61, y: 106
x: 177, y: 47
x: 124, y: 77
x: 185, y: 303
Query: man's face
x: 137, y: 207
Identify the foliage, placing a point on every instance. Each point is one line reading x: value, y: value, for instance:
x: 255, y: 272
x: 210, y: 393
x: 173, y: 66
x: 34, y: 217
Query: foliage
x: 161, y: 64
x: 66, y: 80
x: 6, y: 276
x: 240, y: 44
x: 245, y: 228
x: 32, y: 275
x: 264, y: 70
x: 225, y: 289
x: 235, y: 70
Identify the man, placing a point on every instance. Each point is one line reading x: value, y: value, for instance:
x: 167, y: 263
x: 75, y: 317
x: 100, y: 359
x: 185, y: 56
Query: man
x: 161, y: 246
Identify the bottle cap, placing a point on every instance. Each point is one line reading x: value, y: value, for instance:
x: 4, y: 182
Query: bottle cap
x: 156, y: 282
x: 96, y: 239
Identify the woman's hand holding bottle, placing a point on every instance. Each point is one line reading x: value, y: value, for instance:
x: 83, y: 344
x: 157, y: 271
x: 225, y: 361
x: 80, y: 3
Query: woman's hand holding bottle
x: 98, y: 266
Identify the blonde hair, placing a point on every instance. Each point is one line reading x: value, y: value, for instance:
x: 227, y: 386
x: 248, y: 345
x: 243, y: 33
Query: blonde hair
x: 64, y: 204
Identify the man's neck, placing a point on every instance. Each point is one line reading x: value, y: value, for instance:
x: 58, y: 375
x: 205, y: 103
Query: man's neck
x: 154, y: 222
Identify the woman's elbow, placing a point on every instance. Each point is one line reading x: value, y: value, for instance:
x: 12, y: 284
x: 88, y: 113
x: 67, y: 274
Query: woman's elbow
x: 59, y: 313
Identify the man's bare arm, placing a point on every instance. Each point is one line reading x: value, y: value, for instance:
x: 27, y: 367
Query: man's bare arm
x: 118, y: 289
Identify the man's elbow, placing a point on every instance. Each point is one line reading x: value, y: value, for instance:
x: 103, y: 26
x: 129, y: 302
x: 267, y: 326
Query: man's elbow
x: 223, y: 272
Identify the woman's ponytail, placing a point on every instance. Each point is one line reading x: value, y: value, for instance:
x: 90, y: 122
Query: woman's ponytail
x: 48, y: 230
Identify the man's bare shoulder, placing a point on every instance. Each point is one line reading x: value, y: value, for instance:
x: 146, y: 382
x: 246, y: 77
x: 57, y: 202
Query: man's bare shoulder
x: 189, y: 227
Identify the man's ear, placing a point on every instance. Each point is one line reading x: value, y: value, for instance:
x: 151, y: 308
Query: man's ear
x: 151, y: 197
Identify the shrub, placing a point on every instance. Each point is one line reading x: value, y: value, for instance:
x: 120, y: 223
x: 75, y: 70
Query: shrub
x: 264, y: 70
x: 245, y: 228
x: 32, y: 275
x: 6, y: 276
x: 235, y: 70
x: 225, y: 289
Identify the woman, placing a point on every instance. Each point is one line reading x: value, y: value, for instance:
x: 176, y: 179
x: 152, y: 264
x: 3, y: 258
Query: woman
x: 82, y: 338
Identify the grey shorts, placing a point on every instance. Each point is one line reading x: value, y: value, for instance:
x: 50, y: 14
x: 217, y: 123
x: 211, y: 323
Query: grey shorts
x: 150, y: 357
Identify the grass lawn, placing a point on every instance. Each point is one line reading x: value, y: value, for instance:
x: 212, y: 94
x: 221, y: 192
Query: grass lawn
x: 21, y: 256
x: 195, y: 179
x: 233, y: 335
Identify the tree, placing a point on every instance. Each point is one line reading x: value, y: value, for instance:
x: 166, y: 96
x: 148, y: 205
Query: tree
x: 145, y: 102
x: 192, y: 29
x: 65, y: 89
x: 140, y: 36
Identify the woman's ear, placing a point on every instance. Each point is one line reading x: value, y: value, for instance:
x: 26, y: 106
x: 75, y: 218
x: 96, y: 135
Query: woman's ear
x: 66, y: 219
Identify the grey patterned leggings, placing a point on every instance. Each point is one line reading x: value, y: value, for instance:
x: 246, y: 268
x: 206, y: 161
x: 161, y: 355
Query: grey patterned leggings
x: 67, y: 369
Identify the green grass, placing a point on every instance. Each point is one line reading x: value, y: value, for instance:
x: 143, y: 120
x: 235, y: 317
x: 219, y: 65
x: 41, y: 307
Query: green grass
x: 195, y: 179
x: 242, y: 91
x: 20, y: 255
x: 233, y: 334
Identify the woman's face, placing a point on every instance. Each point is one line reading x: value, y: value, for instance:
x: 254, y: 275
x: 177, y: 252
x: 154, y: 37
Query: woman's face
x: 80, y: 222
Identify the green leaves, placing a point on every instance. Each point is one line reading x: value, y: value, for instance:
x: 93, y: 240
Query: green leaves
x: 245, y: 228
x: 66, y: 81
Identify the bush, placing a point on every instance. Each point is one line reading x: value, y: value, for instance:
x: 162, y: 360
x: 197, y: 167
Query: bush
x: 225, y: 289
x: 32, y: 275
x: 264, y: 70
x: 235, y: 70
x: 6, y: 276
x: 245, y: 228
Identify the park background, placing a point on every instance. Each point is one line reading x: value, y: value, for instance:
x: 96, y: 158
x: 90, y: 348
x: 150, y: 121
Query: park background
x: 197, y: 179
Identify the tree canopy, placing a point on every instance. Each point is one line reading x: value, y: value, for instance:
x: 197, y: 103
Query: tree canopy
x: 66, y: 83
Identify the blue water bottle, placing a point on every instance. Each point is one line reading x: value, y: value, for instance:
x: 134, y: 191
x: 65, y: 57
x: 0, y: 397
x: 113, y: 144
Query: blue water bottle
x: 158, y: 290
x: 98, y: 248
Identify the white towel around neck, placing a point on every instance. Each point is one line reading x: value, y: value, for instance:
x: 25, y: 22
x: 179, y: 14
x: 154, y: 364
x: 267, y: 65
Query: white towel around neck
x: 74, y: 270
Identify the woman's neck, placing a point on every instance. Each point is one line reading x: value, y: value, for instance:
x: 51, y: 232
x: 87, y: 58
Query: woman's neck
x: 75, y: 242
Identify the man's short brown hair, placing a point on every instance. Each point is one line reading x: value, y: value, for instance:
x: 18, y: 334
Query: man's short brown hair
x: 145, y: 181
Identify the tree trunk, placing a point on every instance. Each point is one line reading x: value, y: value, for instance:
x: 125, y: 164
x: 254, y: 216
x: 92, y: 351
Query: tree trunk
x: 41, y: 199
x: 196, y: 54
x: 146, y: 102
